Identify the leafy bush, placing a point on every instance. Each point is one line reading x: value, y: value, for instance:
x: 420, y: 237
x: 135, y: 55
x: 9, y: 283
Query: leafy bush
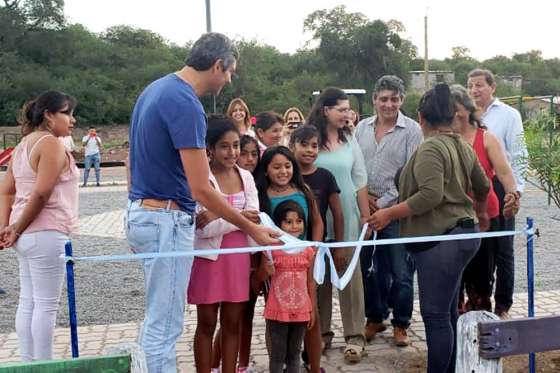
x: 543, y: 144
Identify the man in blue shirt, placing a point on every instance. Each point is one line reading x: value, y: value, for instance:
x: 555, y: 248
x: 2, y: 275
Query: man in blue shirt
x: 168, y: 173
x: 504, y: 122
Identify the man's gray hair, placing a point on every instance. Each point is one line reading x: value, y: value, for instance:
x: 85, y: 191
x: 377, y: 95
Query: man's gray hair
x: 487, y: 74
x: 389, y: 83
x: 209, y: 48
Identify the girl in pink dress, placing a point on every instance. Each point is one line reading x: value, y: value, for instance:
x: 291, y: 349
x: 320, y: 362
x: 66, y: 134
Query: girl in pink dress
x: 221, y: 282
x: 290, y: 307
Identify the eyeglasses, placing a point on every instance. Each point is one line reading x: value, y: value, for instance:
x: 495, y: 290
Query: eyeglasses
x: 344, y: 110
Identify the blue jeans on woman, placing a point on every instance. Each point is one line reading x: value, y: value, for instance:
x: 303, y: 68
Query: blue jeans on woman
x: 390, y: 283
x: 166, y: 279
x: 440, y: 270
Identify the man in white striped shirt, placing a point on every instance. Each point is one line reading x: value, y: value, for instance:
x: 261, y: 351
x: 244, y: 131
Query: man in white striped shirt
x: 387, y: 140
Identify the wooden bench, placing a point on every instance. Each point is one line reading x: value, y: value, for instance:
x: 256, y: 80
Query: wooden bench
x: 483, y: 339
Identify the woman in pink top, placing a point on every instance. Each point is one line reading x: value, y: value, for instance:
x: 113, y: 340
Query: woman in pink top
x: 38, y: 211
x: 291, y: 300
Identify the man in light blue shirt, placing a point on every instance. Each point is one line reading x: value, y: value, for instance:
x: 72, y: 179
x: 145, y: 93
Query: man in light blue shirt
x: 504, y: 122
x: 387, y: 140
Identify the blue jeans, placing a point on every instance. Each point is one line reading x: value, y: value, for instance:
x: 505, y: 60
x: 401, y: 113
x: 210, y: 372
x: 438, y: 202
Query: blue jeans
x: 390, y: 284
x: 95, y: 160
x: 440, y: 269
x: 166, y: 279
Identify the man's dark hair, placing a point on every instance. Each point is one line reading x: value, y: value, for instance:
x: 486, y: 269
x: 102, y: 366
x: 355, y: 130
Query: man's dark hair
x: 389, y: 83
x: 208, y: 49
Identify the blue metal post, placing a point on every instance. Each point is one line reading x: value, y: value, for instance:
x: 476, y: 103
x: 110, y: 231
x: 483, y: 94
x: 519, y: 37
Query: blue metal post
x: 71, y: 301
x: 531, y: 284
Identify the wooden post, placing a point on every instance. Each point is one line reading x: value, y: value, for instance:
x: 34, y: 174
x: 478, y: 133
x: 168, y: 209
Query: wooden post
x: 426, y: 61
x: 468, y: 358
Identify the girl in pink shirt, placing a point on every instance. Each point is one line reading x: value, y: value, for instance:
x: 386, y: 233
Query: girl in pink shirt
x: 290, y: 307
x: 219, y: 284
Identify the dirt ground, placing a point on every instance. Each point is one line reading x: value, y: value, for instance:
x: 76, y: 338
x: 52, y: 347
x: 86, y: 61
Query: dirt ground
x: 547, y: 362
x: 114, y: 137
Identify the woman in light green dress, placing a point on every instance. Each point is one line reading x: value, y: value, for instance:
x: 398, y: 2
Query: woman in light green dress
x: 340, y: 154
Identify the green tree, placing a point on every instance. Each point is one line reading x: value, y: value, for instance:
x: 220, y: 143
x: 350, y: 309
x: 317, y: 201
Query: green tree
x: 356, y: 49
x: 460, y: 52
x: 543, y: 145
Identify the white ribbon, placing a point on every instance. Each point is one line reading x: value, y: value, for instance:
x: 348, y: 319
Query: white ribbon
x: 338, y: 282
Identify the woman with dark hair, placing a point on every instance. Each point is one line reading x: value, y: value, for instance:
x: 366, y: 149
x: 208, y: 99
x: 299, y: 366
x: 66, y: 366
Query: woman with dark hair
x: 38, y: 211
x: 340, y: 154
x: 478, y: 278
x: 434, y: 194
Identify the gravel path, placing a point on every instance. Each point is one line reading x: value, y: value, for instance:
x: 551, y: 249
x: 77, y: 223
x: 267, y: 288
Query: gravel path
x: 113, y: 292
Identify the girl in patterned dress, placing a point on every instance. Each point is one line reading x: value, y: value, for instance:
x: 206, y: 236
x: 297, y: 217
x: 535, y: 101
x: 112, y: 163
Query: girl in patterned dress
x: 289, y: 309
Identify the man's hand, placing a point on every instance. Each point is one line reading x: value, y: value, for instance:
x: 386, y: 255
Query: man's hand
x: 264, y: 236
x: 380, y: 219
x: 372, y: 202
x: 205, y: 217
x: 252, y: 215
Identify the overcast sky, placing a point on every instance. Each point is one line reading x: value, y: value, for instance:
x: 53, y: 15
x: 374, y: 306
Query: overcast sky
x: 488, y: 28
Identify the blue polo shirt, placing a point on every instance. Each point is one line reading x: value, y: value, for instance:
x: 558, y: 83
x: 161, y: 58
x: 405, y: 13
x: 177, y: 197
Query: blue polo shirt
x: 168, y: 116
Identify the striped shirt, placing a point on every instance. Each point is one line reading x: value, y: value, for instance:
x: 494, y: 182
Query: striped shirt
x: 383, y: 160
